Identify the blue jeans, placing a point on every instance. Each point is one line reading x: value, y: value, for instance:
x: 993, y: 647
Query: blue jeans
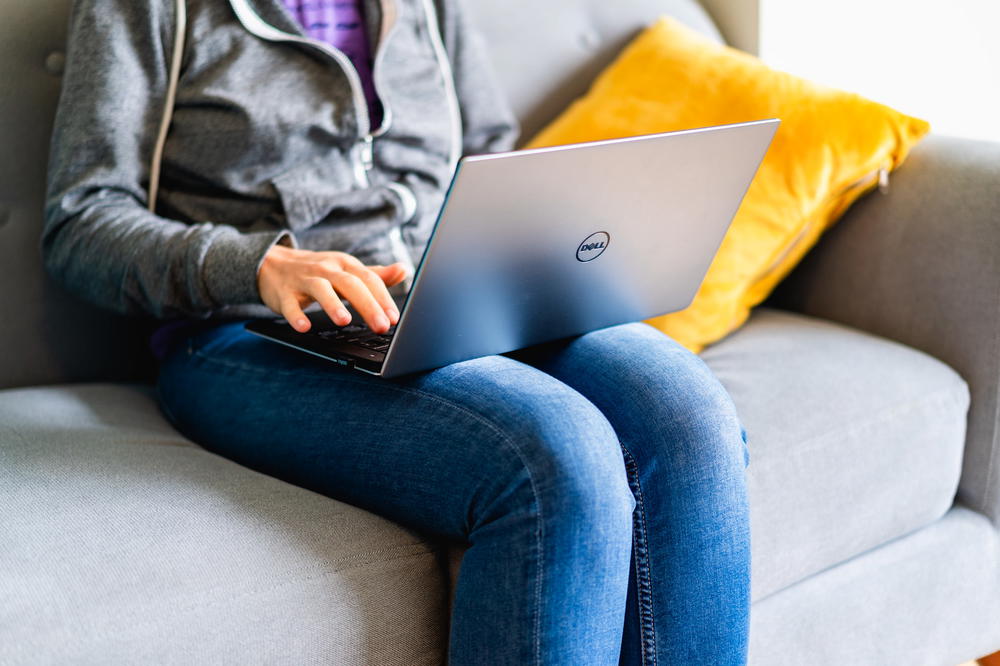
x: 599, y: 482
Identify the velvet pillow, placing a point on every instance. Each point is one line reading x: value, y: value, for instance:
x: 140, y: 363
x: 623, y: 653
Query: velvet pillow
x: 832, y: 147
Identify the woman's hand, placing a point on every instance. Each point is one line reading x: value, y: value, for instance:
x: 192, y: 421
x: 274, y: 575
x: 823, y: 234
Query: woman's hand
x: 291, y: 279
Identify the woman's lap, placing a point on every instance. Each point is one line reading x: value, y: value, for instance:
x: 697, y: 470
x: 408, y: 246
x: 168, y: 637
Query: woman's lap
x: 560, y: 428
x: 462, y: 427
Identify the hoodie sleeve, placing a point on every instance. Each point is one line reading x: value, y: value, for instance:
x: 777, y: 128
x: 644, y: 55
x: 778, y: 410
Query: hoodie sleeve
x: 99, y: 239
x: 488, y: 123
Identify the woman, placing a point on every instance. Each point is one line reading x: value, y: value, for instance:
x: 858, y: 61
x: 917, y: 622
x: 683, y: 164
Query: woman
x: 308, y: 154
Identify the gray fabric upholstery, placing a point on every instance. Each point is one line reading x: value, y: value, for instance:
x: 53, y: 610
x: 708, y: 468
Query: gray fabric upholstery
x: 931, y: 598
x: 47, y: 336
x: 547, y: 53
x: 921, y: 265
x: 854, y: 440
x: 124, y: 543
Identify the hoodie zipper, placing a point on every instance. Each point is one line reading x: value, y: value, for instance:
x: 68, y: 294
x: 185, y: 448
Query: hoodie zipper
x: 444, y: 65
x: 388, y: 27
x: 364, y: 159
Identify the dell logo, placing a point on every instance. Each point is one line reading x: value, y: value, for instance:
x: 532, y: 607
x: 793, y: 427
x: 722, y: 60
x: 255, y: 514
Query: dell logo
x: 593, y: 246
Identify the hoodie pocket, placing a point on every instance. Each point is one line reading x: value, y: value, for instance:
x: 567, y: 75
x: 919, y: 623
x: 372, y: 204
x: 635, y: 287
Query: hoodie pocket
x: 311, y: 190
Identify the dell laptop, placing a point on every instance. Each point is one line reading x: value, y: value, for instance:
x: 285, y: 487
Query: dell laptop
x: 536, y: 245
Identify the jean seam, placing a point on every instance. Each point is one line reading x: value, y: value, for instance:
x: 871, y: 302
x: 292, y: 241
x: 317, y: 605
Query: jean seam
x: 539, y: 530
x: 539, y: 523
x: 644, y: 584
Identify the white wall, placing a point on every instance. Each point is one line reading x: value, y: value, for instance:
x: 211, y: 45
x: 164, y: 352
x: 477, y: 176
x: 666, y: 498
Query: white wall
x: 935, y: 59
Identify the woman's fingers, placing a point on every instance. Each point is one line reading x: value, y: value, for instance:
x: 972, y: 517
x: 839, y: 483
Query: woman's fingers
x: 378, y: 289
x: 360, y: 296
x: 390, y: 275
x: 322, y: 292
x: 327, y: 278
x: 292, y: 311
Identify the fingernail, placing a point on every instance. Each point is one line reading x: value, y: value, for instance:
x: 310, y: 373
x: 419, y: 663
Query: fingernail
x: 393, y: 313
x: 343, y: 316
x: 381, y: 321
x: 301, y: 323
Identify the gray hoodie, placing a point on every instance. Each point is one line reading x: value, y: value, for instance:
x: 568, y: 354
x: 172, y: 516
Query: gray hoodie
x: 269, y: 143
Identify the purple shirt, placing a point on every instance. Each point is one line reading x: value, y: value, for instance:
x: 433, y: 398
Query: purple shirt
x: 341, y: 24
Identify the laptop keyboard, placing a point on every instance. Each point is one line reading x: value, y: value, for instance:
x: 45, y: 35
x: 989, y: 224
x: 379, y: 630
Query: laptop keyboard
x: 359, y: 335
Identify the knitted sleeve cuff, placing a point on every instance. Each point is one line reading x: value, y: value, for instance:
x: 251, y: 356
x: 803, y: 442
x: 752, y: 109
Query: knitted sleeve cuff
x: 233, y: 262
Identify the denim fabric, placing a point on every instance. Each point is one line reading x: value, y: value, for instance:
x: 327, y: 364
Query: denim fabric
x: 599, y: 482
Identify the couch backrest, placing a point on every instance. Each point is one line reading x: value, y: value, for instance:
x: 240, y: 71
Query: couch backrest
x: 545, y: 52
x: 46, y: 335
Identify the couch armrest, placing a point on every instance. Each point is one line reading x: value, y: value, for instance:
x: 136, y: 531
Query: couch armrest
x: 920, y: 264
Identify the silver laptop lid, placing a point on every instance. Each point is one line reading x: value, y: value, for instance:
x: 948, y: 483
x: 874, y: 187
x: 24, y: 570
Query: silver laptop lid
x: 543, y: 244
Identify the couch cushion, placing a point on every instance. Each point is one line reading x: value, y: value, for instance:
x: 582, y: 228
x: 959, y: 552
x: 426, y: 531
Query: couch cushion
x: 124, y: 543
x: 854, y: 440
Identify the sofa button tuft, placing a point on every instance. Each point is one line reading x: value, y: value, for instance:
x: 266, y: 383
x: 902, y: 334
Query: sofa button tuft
x: 590, y: 40
x: 55, y: 62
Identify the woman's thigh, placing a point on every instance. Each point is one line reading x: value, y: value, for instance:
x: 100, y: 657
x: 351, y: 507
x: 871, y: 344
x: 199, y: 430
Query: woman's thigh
x: 655, y: 392
x: 442, y: 451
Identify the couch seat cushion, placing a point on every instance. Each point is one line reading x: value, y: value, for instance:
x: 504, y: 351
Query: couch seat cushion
x: 124, y: 543
x: 854, y: 440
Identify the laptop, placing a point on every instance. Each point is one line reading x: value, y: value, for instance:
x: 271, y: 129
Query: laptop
x: 536, y: 245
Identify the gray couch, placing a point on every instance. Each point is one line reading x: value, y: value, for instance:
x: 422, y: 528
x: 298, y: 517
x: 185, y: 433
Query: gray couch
x: 874, y: 481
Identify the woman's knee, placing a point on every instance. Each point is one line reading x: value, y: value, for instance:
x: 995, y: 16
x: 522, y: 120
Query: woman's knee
x: 578, y: 462
x: 672, y: 392
x: 567, y: 462
x: 703, y: 420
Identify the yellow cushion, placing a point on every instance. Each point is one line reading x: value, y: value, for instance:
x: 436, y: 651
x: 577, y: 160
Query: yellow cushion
x: 829, y: 149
